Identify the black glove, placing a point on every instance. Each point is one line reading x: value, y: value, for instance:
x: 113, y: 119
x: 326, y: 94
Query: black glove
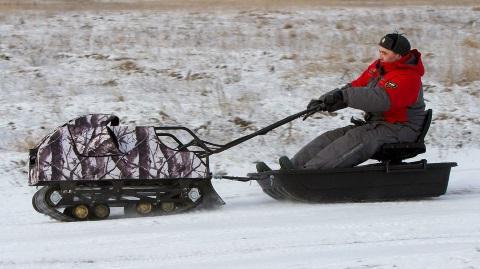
x: 333, y: 100
x: 315, y: 103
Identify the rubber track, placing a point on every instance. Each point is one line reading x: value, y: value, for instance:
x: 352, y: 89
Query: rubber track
x: 41, y: 205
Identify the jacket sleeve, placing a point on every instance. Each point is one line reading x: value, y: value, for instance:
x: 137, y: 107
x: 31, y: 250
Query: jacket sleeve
x: 367, y: 99
x: 399, y: 92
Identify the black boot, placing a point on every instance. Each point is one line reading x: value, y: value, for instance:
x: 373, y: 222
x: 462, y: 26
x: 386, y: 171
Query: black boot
x: 263, y: 167
x: 286, y: 163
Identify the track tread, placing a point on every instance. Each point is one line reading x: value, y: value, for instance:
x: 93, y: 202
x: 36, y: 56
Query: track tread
x: 89, y: 195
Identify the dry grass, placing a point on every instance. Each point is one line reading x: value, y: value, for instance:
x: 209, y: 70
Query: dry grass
x: 196, y: 76
x: 96, y: 56
x: 464, y: 67
x: 22, y: 5
x: 130, y: 67
x: 471, y: 43
x: 471, y: 68
x: 110, y: 83
x: 292, y: 56
x: 341, y: 26
x: 241, y: 122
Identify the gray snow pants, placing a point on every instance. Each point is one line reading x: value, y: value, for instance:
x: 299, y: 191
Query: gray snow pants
x: 351, y: 145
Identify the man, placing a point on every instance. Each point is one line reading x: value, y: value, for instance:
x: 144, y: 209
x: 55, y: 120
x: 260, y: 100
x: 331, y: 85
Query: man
x: 389, y: 91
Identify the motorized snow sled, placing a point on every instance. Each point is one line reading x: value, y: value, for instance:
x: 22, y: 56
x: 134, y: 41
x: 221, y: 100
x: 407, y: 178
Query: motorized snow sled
x: 92, y: 163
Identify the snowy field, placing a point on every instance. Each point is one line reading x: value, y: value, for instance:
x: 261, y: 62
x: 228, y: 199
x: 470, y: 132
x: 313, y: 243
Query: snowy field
x: 226, y: 73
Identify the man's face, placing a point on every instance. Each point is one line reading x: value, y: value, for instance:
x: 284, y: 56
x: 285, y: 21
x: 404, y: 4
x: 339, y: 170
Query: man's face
x: 388, y: 56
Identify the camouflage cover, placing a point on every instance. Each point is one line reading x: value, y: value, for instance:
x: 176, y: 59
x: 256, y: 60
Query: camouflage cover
x: 92, y: 148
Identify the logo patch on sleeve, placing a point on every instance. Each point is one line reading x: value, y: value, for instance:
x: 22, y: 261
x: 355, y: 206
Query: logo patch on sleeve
x: 390, y: 85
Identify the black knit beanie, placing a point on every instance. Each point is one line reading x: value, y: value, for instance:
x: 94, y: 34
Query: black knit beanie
x: 396, y: 43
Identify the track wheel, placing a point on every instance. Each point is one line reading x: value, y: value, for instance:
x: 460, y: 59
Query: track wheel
x: 167, y: 207
x: 144, y: 208
x: 53, y: 196
x: 101, y: 211
x: 80, y: 212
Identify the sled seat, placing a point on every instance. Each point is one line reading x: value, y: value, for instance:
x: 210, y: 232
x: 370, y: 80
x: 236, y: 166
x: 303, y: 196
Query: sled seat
x: 396, y: 152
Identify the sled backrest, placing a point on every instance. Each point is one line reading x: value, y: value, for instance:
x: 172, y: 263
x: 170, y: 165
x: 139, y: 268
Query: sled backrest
x: 426, y: 126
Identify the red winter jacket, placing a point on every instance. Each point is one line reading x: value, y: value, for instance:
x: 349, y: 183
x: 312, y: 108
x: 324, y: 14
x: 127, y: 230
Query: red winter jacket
x: 391, y: 92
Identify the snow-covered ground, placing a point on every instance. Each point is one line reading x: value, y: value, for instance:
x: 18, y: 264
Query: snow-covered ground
x: 255, y: 231
x: 226, y: 74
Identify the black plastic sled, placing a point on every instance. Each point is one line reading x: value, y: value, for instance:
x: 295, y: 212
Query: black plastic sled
x: 388, y: 180
x: 362, y: 183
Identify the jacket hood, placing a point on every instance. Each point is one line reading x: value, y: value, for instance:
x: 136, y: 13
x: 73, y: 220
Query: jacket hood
x: 410, y: 61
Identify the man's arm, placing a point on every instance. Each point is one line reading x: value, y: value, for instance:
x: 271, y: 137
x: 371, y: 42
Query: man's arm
x: 396, y: 93
x: 367, y: 99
